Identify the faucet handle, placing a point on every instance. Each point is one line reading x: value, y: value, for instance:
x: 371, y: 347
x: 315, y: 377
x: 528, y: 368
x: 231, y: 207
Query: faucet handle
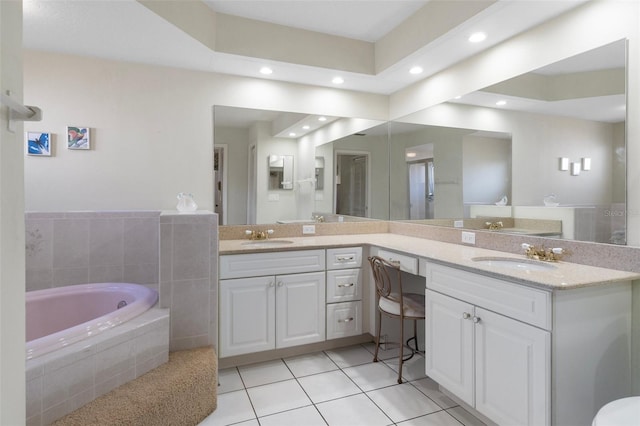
x: 270, y: 231
x: 248, y: 232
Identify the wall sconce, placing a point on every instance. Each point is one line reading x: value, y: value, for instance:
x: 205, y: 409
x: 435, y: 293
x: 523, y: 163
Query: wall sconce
x: 575, y: 169
x: 564, y: 163
x: 586, y: 163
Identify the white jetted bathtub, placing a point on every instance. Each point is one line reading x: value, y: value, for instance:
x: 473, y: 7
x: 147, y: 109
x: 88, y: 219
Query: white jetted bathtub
x: 85, y: 340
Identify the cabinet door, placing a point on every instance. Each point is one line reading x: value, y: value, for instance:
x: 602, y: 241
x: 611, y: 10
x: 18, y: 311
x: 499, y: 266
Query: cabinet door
x: 247, y: 315
x: 449, y: 343
x: 300, y: 309
x: 512, y: 370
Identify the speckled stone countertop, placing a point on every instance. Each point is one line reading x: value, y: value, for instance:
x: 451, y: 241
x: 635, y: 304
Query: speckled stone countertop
x: 565, y: 275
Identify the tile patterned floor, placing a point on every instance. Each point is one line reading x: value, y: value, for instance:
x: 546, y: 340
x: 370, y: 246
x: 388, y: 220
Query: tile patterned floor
x: 340, y: 387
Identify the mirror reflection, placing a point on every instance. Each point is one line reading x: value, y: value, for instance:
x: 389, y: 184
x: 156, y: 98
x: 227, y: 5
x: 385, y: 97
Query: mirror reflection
x: 280, y: 172
x: 559, y: 118
x: 466, y: 163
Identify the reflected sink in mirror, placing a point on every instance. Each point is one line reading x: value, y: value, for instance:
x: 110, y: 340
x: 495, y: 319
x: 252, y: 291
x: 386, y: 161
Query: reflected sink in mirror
x: 267, y: 243
x: 513, y: 263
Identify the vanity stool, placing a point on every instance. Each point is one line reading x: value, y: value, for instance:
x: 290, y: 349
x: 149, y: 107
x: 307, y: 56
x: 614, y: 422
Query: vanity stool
x: 394, y: 303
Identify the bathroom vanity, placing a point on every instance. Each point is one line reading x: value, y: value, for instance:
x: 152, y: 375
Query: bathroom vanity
x: 523, y: 344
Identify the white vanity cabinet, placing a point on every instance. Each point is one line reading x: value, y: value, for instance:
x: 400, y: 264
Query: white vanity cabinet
x: 271, y: 300
x: 524, y: 355
x: 483, y: 347
x: 344, y: 292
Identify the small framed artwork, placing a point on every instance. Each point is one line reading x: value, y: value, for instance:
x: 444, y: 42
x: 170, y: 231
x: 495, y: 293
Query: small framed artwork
x: 38, y: 143
x: 78, y: 137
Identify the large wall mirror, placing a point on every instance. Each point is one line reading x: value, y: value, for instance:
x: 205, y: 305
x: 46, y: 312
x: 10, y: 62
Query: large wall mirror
x: 462, y: 160
x: 508, y: 142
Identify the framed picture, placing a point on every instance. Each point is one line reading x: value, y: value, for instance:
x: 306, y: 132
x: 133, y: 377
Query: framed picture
x: 38, y: 143
x: 78, y: 137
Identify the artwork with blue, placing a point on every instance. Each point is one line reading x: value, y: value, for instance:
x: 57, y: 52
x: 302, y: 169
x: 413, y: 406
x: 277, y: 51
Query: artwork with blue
x: 78, y: 137
x: 39, y: 143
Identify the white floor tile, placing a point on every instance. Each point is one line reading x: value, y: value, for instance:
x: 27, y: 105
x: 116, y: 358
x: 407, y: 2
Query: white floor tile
x: 464, y: 417
x: 403, y: 402
x: 233, y: 407
x: 441, y: 418
x: 412, y: 369
x: 326, y: 386
x: 264, y: 373
x: 229, y: 380
x: 371, y: 376
x: 388, y: 351
x: 356, y: 410
x: 350, y: 356
x: 277, y: 397
x: 430, y: 388
x: 307, y: 416
x: 305, y: 365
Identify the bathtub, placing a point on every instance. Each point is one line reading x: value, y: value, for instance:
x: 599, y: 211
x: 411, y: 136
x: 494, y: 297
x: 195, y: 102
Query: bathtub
x: 58, y: 317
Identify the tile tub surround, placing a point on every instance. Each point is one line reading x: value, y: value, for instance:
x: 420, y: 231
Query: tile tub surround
x: 173, y: 253
x: 68, y: 248
x: 62, y: 381
x: 189, y: 277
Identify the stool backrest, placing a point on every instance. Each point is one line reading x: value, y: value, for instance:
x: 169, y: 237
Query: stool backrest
x: 385, y: 273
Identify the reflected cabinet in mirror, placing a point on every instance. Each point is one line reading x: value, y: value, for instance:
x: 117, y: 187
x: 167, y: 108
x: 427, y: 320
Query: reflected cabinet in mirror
x: 546, y: 156
x: 469, y: 162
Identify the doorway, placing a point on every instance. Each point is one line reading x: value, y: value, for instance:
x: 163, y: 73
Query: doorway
x: 352, y: 184
x: 220, y: 182
x: 421, y: 189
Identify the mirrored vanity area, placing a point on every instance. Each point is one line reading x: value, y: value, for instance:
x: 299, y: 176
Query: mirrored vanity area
x: 466, y: 163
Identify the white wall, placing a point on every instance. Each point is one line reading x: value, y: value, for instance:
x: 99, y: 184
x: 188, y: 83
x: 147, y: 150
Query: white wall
x: 12, y: 243
x: 486, y: 169
x: 152, y: 128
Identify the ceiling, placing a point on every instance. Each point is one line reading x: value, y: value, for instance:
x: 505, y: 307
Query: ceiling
x: 127, y: 30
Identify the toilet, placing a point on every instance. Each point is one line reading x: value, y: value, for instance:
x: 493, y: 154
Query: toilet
x: 621, y: 412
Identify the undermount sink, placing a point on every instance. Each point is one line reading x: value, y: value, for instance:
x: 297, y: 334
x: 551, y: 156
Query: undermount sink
x: 513, y: 263
x: 263, y: 243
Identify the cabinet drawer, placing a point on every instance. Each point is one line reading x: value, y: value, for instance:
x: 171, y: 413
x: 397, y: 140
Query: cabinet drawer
x: 513, y: 300
x: 344, y: 319
x: 344, y: 258
x: 272, y: 263
x: 344, y: 285
x: 407, y: 263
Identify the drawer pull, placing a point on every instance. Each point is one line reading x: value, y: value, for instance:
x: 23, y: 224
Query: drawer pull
x: 346, y: 320
x: 476, y: 319
x: 346, y: 285
x: 345, y: 258
x: 466, y: 315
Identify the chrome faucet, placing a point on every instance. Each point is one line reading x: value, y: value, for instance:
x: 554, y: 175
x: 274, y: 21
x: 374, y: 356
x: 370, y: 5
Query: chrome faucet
x: 493, y: 226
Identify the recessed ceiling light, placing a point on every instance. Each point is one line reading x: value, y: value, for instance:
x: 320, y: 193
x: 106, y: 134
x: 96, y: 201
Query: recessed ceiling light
x: 292, y: 134
x: 501, y: 103
x: 306, y: 127
x: 266, y: 70
x: 337, y: 80
x: 322, y: 118
x: 477, y: 37
x: 416, y: 70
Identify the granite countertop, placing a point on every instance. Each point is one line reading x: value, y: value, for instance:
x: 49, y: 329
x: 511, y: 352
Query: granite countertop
x: 565, y: 275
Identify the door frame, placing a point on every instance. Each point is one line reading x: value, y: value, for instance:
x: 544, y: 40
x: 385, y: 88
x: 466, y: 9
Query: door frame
x: 367, y: 155
x: 225, y: 167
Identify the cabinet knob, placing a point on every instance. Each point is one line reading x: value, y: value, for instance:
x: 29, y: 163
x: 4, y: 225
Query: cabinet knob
x: 476, y: 319
x: 279, y: 283
x: 271, y: 284
x: 466, y: 315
